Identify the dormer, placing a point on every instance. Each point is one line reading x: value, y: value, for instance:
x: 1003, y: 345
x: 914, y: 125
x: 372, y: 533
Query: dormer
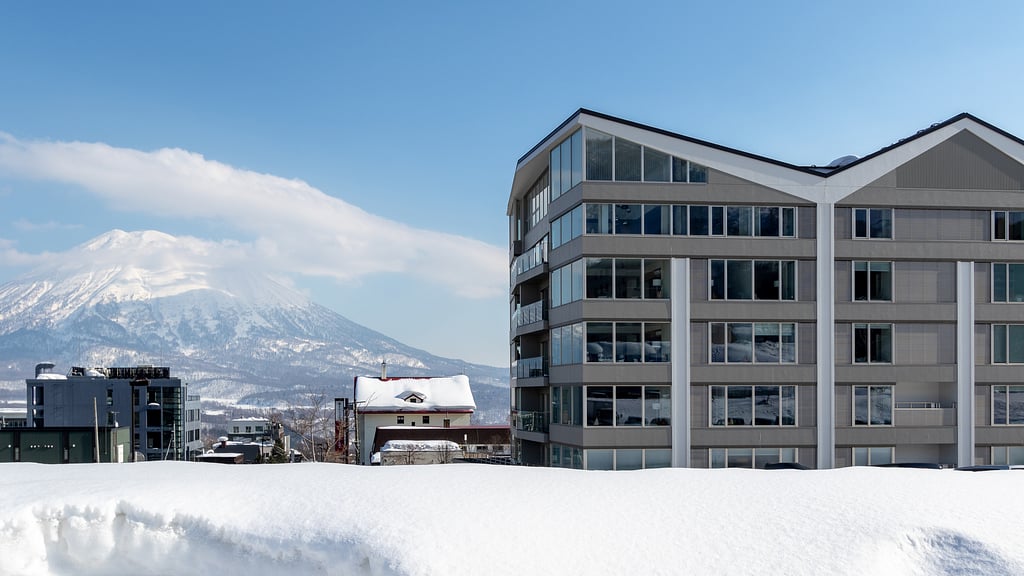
x: 412, y: 397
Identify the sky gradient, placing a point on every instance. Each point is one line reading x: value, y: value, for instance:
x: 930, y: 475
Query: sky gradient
x: 366, y: 152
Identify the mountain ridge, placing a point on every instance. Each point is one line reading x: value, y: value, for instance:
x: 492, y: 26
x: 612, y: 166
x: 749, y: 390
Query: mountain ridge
x: 234, y: 333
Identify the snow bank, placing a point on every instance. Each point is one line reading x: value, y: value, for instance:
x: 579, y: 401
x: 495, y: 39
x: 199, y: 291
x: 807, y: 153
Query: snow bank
x: 184, y: 518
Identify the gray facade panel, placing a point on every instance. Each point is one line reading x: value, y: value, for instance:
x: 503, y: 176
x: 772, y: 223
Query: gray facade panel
x: 700, y: 348
x: 844, y: 344
x: 699, y: 280
x: 635, y: 373
x: 806, y: 406
x: 982, y: 349
x: 844, y: 406
x: 1011, y: 313
x: 892, y: 312
x: 700, y: 406
x: 754, y: 436
x: 965, y: 162
x: 949, y: 225
x: 752, y: 311
x: 999, y: 435
x: 893, y: 435
x: 805, y: 222
x: 931, y: 344
x: 754, y: 374
x: 922, y: 251
x: 843, y: 280
x: 618, y: 309
x: 982, y: 282
x: 611, y: 437
x: 882, y: 373
x: 998, y: 374
x: 924, y: 282
x: 806, y: 343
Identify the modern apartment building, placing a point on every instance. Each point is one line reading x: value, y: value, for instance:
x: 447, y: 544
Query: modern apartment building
x: 675, y: 302
x: 163, y: 417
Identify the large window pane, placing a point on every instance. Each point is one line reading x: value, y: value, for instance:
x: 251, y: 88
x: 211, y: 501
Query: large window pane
x: 628, y: 280
x: 881, y: 405
x: 657, y: 219
x: 1015, y: 343
x: 740, y: 342
x: 627, y: 218
x: 881, y: 223
x: 738, y: 279
x: 556, y: 173
x: 765, y: 456
x: 680, y: 172
x: 717, y: 220
x: 740, y: 458
x: 628, y: 342
x: 1015, y: 279
x: 657, y: 344
x: 599, y: 277
x: 629, y: 459
x: 718, y: 404
x: 629, y: 410
x: 717, y: 279
x: 999, y: 282
x: 860, y: 343
x: 599, y: 155
x: 787, y: 342
x: 881, y: 280
x: 789, y: 222
x: 600, y: 410
x: 788, y: 275
x: 698, y: 173
x: 740, y: 408
x: 657, y: 458
x: 600, y: 459
x: 738, y: 221
x: 999, y: 225
x: 627, y: 161
x: 999, y: 404
x: 999, y: 343
x: 718, y: 342
x: 556, y: 288
x: 766, y: 405
x: 599, y: 218
x: 700, y: 221
x: 766, y: 279
x: 860, y: 223
x: 767, y: 221
x: 1016, y: 226
x: 656, y: 279
x: 599, y: 342
x: 679, y: 220
x: 566, y: 148
x: 766, y: 342
x: 860, y: 281
x: 787, y: 411
x: 577, y: 280
x: 879, y: 456
x: 656, y: 166
x: 860, y: 405
x: 577, y: 158
x: 881, y: 343
x: 658, y: 405
x: 1015, y: 405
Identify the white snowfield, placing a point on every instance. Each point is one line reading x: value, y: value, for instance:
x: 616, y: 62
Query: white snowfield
x: 469, y: 519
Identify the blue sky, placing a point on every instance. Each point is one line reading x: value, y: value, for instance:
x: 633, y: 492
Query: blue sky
x: 346, y: 136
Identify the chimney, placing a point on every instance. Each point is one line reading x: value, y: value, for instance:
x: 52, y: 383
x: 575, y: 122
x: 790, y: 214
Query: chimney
x: 384, y: 370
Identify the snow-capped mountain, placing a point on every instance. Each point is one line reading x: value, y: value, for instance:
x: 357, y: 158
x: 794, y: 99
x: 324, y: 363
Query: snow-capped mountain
x: 233, y: 333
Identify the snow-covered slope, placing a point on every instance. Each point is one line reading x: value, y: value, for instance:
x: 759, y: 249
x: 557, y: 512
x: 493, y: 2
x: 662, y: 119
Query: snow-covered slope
x: 474, y: 519
x: 234, y: 333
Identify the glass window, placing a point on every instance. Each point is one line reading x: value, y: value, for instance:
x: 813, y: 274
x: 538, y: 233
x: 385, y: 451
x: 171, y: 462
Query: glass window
x: 872, y: 343
x: 657, y: 343
x: 872, y: 281
x: 656, y: 166
x: 1008, y: 343
x: 629, y: 409
x: 599, y: 342
x: 766, y: 279
x: 872, y: 405
x: 717, y: 288
x: 738, y: 279
x: 680, y: 172
x: 577, y: 158
x: 1008, y: 405
x: 739, y: 408
x: 738, y: 221
x: 874, y: 456
x: 700, y: 221
x: 657, y: 219
x: 599, y: 277
x: 753, y: 342
x: 566, y: 148
x: 740, y: 342
x: 657, y: 405
x: 1007, y: 282
x: 788, y: 291
x: 627, y: 161
x: 767, y: 223
x: 600, y: 411
x: 627, y: 342
x: 1007, y: 225
x: 698, y: 173
x: 629, y: 459
x: 753, y: 405
x: 599, y: 218
x: 628, y: 280
x: 679, y: 220
x: 556, y: 173
x: 627, y: 218
x: 999, y: 225
x: 717, y: 220
x: 656, y: 279
x: 599, y: 155
x: 657, y: 458
x: 603, y: 459
x: 872, y: 223
x: 789, y: 222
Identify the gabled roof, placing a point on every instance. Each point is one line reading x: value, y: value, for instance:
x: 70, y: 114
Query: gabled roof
x: 812, y: 183
x: 438, y: 394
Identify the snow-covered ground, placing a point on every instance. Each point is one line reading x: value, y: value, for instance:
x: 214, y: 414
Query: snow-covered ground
x: 184, y: 518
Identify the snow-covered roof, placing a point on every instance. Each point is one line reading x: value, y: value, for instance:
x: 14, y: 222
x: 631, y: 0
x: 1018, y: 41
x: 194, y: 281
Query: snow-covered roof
x: 420, y: 446
x: 451, y: 394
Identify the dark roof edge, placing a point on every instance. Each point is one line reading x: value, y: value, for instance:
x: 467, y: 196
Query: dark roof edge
x: 925, y: 132
x: 815, y: 170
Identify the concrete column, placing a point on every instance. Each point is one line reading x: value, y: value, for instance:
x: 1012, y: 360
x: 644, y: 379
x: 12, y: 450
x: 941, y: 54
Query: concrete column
x: 965, y: 363
x: 826, y: 340
x: 680, y: 295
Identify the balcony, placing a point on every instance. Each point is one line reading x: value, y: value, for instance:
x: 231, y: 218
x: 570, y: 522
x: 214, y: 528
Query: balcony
x: 536, y: 367
x: 536, y: 256
x: 924, y: 414
x: 529, y: 314
x: 530, y: 421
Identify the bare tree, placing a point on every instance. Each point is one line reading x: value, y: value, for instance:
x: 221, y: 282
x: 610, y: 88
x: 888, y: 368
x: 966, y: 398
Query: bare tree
x: 312, y: 421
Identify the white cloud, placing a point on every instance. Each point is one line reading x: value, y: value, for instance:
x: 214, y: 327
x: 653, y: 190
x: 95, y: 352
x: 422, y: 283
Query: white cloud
x: 299, y: 229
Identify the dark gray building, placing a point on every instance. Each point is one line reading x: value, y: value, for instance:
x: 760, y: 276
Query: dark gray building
x: 163, y: 416
x: 675, y: 302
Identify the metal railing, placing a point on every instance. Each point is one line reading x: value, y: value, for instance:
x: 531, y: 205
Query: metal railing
x: 530, y: 259
x: 924, y: 405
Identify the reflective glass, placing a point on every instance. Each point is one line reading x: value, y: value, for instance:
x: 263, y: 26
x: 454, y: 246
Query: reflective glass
x: 860, y: 405
x: 766, y: 405
x: 764, y: 456
x: 656, y: 166
x: 740, y: 458
x: 628, y: 280
x: 599, y: 277
x: 627, y: 218
x: 1015, y: 227
x: 999, y: 343
x: 998, y: 282
x: 881, y: 280
x: 629, y: 409
x: 1015, y: 279
x: 628, y: 342
x: 767, y: 221
x: 566, y: 148
x: 999, y: 225
x: 739, y: 407
x: 577, y: 280
x: 600, y: 410
x: 717, y: 279
x: 787, y: 338
x: 680, y: 173
x: 881, y: 405
x: 656, y: 279
x: 657, y: 219
x: 599, y: 155
x: 657, y: 345
x: 717, y: 220
x: 738, y: 221
x: 629, y: 459
x: 718, y: 457
x: 627, y: 161
x: 789, y: 222
x: 788, y: 291
x: 718, y: 342
x: 787, y: 410
x: 657, y: 458
x: 738, y: 279
x: 556, y: 173
x: 657, y: 405
x: 766, y: 342
x: 698, y: 173
x: 679, y: 220
x: 599, y: 218
x: 699, y: 221
x: 600, y: 459
x: 718, y: 404
x: 599, y: 342
x: 766, y: 279
x: 740, y: 336
x: 881, y: 223
x: 999, y: 404
x: 881, y: 343
x: 877, y: 456
x: 860, y: 223
x: 577, y: 158
x: 1015, y: 343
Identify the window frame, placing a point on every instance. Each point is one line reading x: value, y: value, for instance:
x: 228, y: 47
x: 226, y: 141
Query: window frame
x: 753, y: 400
x: 614, y: 397
x: 867, y: 219
x: 869, y: 389
x: 868, y: 271
x: 753, y: 342
x: 854, y: 449
x: 1006, y: 223
x: 869, y: 326
x: 1006, y: 391
x: 753, y: 280
x: 1007, y: 276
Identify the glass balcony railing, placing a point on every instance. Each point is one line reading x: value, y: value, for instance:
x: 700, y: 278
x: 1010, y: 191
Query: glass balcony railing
x: 531, y: 421
x: 536, y: 367
x: 530, y: 259
x: 529, y: 314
